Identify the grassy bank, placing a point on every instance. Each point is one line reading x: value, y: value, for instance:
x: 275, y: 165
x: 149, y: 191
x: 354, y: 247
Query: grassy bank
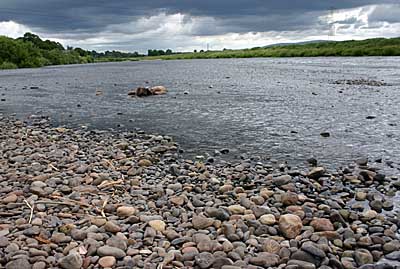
x: 369, y: 47
x: 105, y: 60
x: 31, y: 51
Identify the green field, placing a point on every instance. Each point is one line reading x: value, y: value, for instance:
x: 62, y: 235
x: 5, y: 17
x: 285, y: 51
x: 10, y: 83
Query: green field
x: 369, y: 47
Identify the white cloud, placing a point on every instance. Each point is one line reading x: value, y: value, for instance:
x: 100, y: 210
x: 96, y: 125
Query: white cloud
x: 184, y: 32
x: 13, y: 29
x: 363, y: 22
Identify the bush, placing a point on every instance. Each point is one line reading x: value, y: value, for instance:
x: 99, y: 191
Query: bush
x: 31, y: 51
x: 8, y: 65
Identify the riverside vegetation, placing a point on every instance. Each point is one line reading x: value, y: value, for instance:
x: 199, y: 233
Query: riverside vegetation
x: 74, y: 198
x: 31, y: 51
x: 369, y: 47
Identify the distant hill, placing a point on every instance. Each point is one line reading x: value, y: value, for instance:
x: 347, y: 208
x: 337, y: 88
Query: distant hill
x: 296, y: 43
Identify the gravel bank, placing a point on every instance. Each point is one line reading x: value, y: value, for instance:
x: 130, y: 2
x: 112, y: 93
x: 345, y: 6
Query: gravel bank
x: 91, y: 199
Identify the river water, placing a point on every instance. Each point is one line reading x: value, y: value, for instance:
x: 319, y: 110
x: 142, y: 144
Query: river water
x: 274, y: 108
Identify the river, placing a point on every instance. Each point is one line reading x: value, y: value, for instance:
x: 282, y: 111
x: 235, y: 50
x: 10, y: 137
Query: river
x: 275, y: 108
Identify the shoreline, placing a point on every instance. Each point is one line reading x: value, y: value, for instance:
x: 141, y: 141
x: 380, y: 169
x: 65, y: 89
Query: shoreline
x: 75, y: 198
x: 181, y: 57
x: 184, y: 56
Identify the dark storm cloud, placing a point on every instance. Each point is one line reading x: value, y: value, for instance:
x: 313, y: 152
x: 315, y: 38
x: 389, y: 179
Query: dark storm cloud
x: 385, y: 13
x: 230, y: 15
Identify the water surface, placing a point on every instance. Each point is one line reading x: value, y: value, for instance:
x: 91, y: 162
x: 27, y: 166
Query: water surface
x: 269, y: 107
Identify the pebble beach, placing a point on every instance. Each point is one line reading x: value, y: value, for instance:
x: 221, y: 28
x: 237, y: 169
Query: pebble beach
x: 78, y: 198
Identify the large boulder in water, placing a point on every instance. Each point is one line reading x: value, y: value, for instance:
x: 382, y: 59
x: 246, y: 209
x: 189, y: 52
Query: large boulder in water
x: 145, y: 91
x: 158, y: 90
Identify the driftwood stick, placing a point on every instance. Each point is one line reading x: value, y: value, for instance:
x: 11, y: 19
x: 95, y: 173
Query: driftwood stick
x: 31, y: 208
x: 103, y: 207
x: 70, y: 202
x: 54, y: 203
x: 53, y: 167
x: 10, y: 213
x: 109, y: 184
x: 110, y: 164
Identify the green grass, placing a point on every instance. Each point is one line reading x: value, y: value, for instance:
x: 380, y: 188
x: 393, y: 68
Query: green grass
x: 105, y: 59
x: 369, y: 47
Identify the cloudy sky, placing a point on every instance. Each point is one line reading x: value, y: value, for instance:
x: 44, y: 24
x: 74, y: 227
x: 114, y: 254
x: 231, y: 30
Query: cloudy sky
x: 185, y: 25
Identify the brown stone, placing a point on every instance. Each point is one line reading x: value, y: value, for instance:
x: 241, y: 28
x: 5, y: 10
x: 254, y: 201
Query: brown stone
x: 271, y: 246
x: 144, y: 163
x: 200, y: 222
x: 112, y: 227
x: 267, y: 219
x: 126, y: 211
x: 107, y: 261
x: 321, y: 225
x: 290, y: 225
x: 157, y: 225
x: 289, y: 198
x: 177, y: 200
x: 316, y: 172
x: 158, y: 90
x: 12, y: 198
x: 265, y: 259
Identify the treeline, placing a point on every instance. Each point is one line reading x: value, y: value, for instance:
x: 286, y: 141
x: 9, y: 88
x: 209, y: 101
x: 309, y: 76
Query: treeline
x: 115, y: 54
x: 159, y: 52
x: 368, y: 47
x: 31, y: 51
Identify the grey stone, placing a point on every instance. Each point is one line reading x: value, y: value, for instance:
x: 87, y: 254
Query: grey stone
x: 111, y: 251
x: 19, y: 264
x: 71, y: 261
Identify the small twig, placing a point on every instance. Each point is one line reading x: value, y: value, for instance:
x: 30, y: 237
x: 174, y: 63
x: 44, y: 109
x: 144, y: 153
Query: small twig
x: 102, y: 208
x: 10, y: 213
x: 14, y: 204
x: 106, y: 184
x: 110, y: 164
x: 53, y: 167
x: 70, y: 201
x: 31, y: 208
x: 54, y: 203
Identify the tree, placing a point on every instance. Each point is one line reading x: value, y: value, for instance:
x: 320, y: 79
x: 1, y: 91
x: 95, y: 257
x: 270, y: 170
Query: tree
x: 39, y: 43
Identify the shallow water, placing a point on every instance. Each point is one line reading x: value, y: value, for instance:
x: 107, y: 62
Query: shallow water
x: 269, y: 107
